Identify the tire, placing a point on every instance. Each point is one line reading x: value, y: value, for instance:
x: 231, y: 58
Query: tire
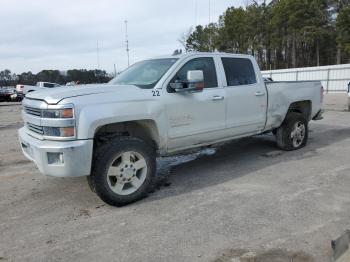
x: 123, y: 171
x: 293, y: 133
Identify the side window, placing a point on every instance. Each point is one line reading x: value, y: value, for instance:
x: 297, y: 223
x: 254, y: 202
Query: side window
x: 238, y: 71
x: 206, y: 64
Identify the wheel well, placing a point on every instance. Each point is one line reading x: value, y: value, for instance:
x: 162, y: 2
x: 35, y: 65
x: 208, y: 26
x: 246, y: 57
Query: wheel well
x: 303, y: 107
x: 143, y: 129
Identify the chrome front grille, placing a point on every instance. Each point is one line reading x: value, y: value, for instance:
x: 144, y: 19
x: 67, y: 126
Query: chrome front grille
x: 32, y: 111
x: 35, y: 128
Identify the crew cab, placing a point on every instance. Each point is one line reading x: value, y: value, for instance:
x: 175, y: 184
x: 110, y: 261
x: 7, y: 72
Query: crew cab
x: 112, y: 133
x: 39, y: 85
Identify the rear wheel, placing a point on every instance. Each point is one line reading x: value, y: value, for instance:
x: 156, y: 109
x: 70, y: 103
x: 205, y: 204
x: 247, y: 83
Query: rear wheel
x: 293, y: 133
x: 123, y: 171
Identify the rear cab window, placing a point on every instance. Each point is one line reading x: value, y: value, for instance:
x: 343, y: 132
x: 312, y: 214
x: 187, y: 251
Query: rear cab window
x: 238, y: 71
x: 48, y: 85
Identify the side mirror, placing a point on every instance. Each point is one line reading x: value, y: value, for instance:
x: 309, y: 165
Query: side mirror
x: 195, y: 76
x: 193, y: 83
x: 195, y: 80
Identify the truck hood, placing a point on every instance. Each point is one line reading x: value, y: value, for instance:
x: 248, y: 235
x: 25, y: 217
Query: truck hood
x: 55, y: 95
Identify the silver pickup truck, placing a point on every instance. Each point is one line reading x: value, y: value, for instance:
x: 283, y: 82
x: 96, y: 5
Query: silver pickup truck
x: 112, y: 133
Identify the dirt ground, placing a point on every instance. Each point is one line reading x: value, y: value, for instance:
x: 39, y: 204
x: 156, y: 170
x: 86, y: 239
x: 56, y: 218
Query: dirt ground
x: 244, y: 201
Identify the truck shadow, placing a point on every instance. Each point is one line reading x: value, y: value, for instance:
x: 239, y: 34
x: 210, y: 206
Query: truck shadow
x: 216, y: 165
x: 234, y: 159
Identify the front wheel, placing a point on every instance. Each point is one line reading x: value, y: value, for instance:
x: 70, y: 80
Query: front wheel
x: 123, y: 171
x: 293, y: 133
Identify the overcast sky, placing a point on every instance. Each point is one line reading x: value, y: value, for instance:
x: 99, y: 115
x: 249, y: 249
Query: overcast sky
x: 63, y: 34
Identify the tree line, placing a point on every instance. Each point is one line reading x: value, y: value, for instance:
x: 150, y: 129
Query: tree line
x: 55, y: 76
x: 280, y: 34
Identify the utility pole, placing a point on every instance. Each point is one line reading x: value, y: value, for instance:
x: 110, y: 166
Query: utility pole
x: 209, y: 11
x: 126, y: 40
x: 209, y: 27
x: 98, y: 56
x: 195, y: 13
x: 115, y: 71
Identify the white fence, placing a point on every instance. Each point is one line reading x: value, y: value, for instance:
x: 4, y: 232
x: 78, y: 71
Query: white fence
x: 334, y: 78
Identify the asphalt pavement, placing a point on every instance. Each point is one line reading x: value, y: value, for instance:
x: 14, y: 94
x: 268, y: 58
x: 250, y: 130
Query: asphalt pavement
x: 243, y: 201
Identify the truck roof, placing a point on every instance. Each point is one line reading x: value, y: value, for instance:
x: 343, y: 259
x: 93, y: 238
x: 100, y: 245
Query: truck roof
x: 184, y: 55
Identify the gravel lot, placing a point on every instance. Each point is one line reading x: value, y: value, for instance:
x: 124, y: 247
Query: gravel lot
x: 244, y: 201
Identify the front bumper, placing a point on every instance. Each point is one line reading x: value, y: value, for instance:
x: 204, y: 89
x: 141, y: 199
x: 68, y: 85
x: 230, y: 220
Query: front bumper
x: 76, y: 155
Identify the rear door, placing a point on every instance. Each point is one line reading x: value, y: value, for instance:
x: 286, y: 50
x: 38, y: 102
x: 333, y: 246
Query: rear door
x: 245, y: 94
x: 195, y: 117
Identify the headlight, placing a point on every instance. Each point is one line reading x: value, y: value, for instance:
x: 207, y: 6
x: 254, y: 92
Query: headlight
x: 59, y: 121
x: 58, y: 113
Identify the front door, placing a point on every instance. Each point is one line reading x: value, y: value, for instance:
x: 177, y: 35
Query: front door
x: 195, y: 117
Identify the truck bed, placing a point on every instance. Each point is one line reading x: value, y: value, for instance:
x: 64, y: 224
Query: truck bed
x: 282, y: 93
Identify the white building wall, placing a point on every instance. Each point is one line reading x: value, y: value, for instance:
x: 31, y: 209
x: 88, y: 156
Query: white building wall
x: 334, y: 78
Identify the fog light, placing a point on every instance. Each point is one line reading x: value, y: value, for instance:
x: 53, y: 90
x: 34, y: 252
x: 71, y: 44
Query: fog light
x: 67, y: 131
x: 59, y: 131
x: 55, y: 158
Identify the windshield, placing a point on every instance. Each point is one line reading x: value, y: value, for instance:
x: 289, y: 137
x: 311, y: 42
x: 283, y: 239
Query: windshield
x: 144, y: 74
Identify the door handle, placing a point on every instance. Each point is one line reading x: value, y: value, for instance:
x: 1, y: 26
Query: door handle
x: 216, y: 98
x: 259, y: 93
